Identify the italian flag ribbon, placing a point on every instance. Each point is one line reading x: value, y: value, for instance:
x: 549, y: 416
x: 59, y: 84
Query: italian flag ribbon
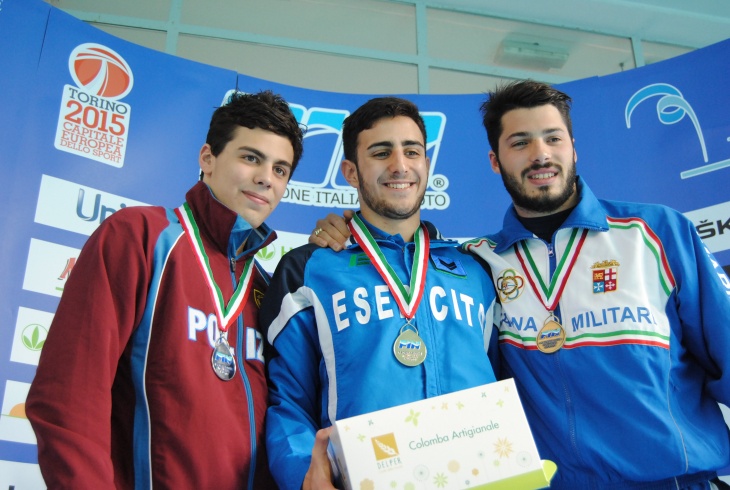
x: 550, y: 294
x: 406, y: 298
x: 226, y: 313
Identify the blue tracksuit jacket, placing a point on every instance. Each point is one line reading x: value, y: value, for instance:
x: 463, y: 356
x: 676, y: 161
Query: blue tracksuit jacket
x: 332, y: 322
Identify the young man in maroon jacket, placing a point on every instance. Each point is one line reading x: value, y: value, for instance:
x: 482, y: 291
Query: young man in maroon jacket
x: 153, y: 372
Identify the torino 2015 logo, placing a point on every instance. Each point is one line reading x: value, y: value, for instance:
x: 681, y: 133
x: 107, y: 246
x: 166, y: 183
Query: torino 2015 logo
x: 321, y: 184
x: 100, y: 71
x: 93, y: 123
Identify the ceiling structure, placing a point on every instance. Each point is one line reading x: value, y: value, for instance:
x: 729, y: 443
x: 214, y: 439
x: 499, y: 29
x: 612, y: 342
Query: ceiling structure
x: 692, y: 24
x: 414, y: 46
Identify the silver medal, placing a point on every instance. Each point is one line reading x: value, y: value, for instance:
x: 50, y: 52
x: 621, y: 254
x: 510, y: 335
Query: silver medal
x: 222, y: 360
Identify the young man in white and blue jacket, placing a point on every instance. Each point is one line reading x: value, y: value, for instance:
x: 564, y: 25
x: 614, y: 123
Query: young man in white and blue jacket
x: 614, y: 317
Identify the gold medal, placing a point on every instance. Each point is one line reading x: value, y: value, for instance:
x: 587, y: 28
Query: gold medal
x: 409, y: 348
x: 551, y: 336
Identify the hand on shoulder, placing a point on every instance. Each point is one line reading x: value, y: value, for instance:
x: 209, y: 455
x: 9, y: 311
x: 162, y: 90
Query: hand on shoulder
x: 332, y: 231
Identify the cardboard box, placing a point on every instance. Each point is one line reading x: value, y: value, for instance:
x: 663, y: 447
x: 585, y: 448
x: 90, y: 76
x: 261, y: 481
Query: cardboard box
x: 475, y: 438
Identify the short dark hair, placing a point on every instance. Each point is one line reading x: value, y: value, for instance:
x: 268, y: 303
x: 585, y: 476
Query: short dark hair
x: 370, y: 113
x: 521, y: 94
x: 265, y: 110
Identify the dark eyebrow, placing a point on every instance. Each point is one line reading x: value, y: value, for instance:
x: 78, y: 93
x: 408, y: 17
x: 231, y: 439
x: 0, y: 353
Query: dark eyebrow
x: 386, y: 144
x: 262, y: 155
x: 253, y: 150
x: 527, y: 134
x: 412, y: 143
x: 389, y: 144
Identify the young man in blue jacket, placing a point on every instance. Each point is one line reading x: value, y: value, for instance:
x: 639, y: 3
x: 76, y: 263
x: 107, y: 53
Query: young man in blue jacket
x: 614, y: 315
x: 400, y: 315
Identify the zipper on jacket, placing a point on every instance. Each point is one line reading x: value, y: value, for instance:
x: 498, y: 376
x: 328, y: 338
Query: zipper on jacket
x: 240, y: 358
x: 552, y: 261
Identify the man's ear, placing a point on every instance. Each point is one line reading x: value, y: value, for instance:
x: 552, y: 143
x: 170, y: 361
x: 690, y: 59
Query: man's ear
x: 494, y: 162
x: 206, y: 159
x: 349, y: 171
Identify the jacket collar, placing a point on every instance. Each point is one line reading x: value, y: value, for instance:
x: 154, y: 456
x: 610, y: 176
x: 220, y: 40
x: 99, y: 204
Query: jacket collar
x: 589, y: 214
x: 433, y: 234
x: 224, y: 228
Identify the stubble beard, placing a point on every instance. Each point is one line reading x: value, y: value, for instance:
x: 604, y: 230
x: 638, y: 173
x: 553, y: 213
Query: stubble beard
x: 382, y: 207
x: 544, y: 202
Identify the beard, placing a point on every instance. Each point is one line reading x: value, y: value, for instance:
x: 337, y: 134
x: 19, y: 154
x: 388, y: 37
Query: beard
x: 543, y: 202
x: 383, y: 208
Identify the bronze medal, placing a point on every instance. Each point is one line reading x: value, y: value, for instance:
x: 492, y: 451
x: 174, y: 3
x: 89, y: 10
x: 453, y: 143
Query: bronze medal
x: 409, y: 348
x: 224, y: 365
x: 551, y: 336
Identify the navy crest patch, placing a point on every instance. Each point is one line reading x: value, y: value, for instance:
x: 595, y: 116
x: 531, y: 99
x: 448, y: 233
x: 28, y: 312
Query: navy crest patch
x: 605, y: 276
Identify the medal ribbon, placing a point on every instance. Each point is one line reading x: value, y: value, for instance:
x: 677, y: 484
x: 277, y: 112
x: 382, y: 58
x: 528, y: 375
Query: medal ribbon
x: 549, y: 296
x: 225, y: 313
x: 407, y: 300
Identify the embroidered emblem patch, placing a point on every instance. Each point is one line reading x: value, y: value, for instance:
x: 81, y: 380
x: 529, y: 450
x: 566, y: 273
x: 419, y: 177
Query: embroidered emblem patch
x: 447, y: 264
x: 258, y: 296
x: 510, y: 285
x: 357, y: 260
x: 605, y: 276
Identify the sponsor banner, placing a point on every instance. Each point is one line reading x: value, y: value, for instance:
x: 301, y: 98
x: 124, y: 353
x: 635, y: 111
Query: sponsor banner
x: 14, y: 425
x: 270, y: 255
x: 74, y: 207
x: 49, y: 266
x: 713, y: 226
x: 31, y: 330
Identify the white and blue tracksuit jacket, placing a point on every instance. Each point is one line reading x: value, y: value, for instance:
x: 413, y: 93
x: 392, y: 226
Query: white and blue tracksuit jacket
x: 632, y: 395
x: 332, y: 322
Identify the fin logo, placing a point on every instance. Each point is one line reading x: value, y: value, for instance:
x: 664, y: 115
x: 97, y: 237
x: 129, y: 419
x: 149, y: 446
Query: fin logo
x: 671, y: 109
x: 92, y: 122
